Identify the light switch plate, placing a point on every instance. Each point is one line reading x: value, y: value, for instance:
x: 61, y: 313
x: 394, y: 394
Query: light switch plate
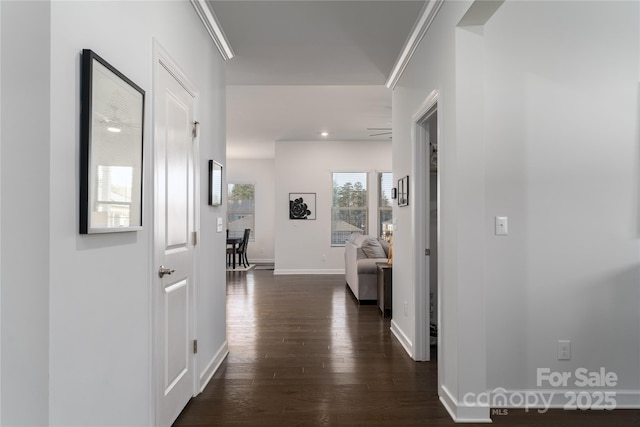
x: 219, y: 225
x: 502, y: 226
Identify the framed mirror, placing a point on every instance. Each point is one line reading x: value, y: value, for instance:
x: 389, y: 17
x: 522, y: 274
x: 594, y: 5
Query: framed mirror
x: 215, y: 183
x: 111, y: 149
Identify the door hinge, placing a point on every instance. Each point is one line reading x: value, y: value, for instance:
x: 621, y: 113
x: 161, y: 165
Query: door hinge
x: 195, y: 129
x: 194, y: 237
x: 195, y: 346
x: 427, y: 252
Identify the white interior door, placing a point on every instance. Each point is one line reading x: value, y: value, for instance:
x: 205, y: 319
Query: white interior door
x: 174, y: 251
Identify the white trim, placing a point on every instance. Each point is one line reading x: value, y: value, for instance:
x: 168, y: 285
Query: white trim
x: 630, y: 399
x: 463, y: 413
x: 625, y: 399
x: 259, y: 261
x: 291, y: 271
x: 154, y: 330
x: 427, y: 104
x: 420, y: 172
x: 213, y: 365
x: 480, y: 12
x: 214, y: 28
x: 448, y: 401
x: 427, y: 15
x: 172, y: 68
x: 404, y: 340
x: 195, y: 194
x: 1, y: 217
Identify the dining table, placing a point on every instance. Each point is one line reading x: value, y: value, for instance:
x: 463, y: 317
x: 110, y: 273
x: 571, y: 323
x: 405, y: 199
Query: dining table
x: 234, y: 242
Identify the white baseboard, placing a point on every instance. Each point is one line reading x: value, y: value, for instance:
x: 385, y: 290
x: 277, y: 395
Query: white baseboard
x: 213, y: 365
x: 286, y: 271
x: 404, y: 340
x: 628, y: 399
x: 448, y: 401
x: 539, y: 399
x: 461, y: 413
x: 261, y: 260
x: 477, y: 408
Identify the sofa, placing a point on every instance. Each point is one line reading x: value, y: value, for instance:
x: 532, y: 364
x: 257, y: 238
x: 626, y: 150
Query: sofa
x: 361, y: 255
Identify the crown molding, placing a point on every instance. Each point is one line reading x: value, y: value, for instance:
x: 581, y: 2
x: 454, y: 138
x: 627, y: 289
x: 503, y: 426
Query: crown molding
x: 212, y: 25
x: 427, y: 15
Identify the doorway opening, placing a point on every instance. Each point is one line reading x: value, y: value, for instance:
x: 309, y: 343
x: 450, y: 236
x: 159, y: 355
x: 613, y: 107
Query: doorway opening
x: 431, y: 223
x: 425, y: 140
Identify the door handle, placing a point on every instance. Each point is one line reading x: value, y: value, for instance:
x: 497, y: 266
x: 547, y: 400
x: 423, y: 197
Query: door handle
x: 164, y: 270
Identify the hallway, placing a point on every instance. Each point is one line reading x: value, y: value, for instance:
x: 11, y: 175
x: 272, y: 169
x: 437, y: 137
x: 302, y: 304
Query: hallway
x: 303, y: 353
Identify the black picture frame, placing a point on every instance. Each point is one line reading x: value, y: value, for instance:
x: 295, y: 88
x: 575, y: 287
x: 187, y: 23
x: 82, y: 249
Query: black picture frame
x: 215, y: 183
x: 111, y: 148
x: 403, y: 191
x: 394, y: 193
x: 302, y: 206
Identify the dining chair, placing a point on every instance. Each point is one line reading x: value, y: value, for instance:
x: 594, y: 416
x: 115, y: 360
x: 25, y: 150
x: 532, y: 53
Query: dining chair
x: 242, y: 248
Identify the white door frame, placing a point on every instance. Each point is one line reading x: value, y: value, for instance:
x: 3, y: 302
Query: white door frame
x: 161, y: 59
x: 420, y: 219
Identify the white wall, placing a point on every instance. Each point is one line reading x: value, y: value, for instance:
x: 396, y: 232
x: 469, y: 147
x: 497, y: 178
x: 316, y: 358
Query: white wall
x: 306, y: 167
x: 538, y: 112
x: 561, y: 124
x: 25, y: 196
x: 0, y: 217
x: 261, y: 173
x: 432, y: 68
x: 76, y: 311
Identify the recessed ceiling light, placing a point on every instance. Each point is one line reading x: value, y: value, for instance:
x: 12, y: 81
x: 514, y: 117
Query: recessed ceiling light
x: 114, y: 129
x: 325, y: 134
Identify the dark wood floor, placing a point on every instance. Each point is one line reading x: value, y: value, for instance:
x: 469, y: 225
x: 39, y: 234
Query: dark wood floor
x: 303, y: 353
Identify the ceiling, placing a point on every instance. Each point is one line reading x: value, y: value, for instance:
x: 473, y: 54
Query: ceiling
x: 304, y: 67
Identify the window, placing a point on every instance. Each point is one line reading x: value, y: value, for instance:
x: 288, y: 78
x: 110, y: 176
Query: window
x: 241, y: 207
x: 113, y: 203
x: 385, y: 210
x: 349, y: 213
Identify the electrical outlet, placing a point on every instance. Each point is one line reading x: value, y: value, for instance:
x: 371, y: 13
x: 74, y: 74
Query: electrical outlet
x: 564, y: 350
x: 324, y: 258
x: 406, y: 308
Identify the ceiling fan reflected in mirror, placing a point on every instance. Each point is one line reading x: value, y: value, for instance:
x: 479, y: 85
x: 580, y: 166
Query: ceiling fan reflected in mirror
x: 114, y: 122
x: 380, y: 131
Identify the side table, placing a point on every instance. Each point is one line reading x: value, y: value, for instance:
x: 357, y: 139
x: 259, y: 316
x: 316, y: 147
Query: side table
x: 384, y: 288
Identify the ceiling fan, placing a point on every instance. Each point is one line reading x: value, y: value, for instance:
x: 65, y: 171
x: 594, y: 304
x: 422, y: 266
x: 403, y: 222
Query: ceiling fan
x: 381, y: 131
x: 110, y: 121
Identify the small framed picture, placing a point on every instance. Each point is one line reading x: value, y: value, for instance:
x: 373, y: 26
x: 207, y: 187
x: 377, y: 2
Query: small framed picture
x: 403, y: 191
x: 302, y: 205
x: 215, y: 183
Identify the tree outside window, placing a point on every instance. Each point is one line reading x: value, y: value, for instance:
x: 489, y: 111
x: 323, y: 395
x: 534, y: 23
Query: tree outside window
x: 349, y: 213
x: 241, y: 209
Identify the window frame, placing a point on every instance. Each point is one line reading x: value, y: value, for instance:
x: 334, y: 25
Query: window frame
x: 379, y: 207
